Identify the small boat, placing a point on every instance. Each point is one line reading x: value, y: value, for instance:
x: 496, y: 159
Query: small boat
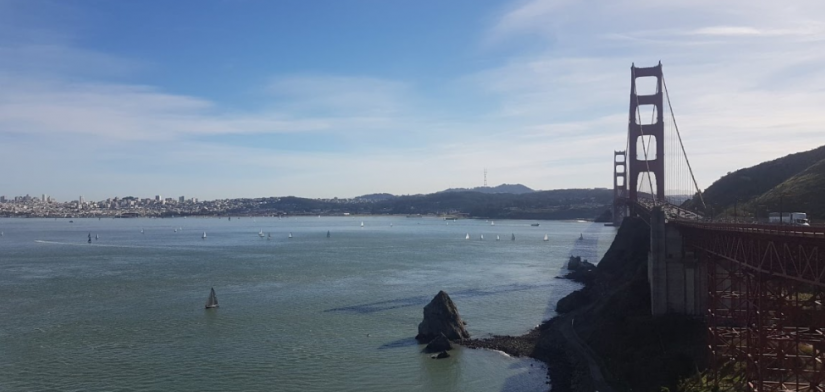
x: 546, y: 238
x: 497, y: 238
x: 390, y: 224
x: 96, y: 237
x: 513, y: 237
x: 482, y: 237
x: 327, y: 233
x: 141, y: 231
x: 534, y: 224
x: 90, y: 238
x: 467, y: 237
x: 176, y: 230
x: 268, y: 236
x: 204, y: 235
x: 261, y: 234
x: 492, y: 223
x: 290, y: 235
x: 581, y: 237
x: 2, y: 234
x: 362, y: 224
x: 212, y: 302
x: 319, y: 216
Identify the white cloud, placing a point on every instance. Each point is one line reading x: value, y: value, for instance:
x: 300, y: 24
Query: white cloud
x: 747, y: 78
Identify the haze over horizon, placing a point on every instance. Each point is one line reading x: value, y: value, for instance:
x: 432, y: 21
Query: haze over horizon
x: 250, y: 98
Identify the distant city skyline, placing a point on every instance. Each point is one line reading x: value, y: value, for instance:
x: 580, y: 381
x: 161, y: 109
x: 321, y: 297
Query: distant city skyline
x: 231, y: 99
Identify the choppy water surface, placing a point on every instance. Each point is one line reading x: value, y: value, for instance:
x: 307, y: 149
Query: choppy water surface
x: 304, y: 314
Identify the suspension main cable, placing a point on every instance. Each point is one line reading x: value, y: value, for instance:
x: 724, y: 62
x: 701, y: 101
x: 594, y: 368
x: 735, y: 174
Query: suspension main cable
x: 679, y: 135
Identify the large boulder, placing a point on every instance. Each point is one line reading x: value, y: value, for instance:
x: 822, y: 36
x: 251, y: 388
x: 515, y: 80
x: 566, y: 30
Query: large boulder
x: 572, y: 301
x: 441, y: 355
x: 440, y: 343
x: 441, y: 317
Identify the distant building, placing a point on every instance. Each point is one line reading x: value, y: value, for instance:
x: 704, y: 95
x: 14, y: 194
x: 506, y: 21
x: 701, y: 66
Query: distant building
x: 158, y: 198
x: 181, y: 199
x: 2, y: 199
x: 43, y: 198
x: 81, y: 200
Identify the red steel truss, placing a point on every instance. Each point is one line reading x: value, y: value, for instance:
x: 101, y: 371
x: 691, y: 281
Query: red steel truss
x: 766, y: 319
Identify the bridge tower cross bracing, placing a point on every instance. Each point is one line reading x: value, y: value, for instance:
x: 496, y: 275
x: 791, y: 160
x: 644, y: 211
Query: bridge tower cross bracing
x: 648, y: 133
x: 619, y: 187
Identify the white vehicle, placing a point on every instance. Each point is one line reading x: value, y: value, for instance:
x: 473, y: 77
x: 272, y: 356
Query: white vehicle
x: 790, y: 218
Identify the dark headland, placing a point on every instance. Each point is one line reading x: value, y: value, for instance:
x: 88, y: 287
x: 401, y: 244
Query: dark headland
x: 604, y: 337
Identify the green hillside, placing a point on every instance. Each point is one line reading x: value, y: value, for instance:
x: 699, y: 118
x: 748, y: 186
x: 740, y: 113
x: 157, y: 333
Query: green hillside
x: 756, y: 190
x: 803, y: 192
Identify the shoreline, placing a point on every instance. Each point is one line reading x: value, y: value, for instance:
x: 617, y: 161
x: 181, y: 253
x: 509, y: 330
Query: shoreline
x: 587, y: 346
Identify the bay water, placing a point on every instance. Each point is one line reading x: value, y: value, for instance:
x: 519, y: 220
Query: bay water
x: 307, y: 313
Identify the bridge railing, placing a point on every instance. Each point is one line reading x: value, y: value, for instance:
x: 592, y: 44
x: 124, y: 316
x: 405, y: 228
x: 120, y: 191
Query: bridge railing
x: 758, y: 228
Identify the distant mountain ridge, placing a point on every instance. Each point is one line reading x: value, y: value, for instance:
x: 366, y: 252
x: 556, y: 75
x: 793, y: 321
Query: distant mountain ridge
x: 515, y: 189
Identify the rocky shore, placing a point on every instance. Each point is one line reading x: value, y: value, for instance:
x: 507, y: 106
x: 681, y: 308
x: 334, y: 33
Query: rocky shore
x: 604, y: 338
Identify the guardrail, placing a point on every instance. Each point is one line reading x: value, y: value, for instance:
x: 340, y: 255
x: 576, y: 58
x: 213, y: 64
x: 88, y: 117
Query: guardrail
x: 757, y: 228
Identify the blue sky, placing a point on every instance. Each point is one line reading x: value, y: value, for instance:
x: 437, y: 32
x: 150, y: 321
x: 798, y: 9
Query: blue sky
x: 250, y: 98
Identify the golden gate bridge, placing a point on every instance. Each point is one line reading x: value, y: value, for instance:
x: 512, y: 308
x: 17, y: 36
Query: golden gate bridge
x: 759, y: 287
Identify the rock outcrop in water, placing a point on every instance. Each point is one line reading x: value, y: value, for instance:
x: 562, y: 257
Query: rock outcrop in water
x: 440, y: 343
x: 441, y: 317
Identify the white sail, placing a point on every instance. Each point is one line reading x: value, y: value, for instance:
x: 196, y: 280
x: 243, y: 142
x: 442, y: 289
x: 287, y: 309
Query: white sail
x: 482, y: 237
x: 290, y: 235
x: 212, y: 302
x: 492, y: 223
x: 467, y: 237
x: 546, y: 238
x: 362, y: 224
x: 497, y: 238
x: 204, y: 235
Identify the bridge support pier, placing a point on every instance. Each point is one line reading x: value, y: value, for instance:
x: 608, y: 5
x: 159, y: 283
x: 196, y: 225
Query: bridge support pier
x: 678, y: 282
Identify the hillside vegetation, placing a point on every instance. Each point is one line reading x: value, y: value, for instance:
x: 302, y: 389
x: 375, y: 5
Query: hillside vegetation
x: 791, y: 183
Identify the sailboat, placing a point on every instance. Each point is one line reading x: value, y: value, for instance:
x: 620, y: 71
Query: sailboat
x: 492, y: 223
x: 212, y: 302
x: 581, y: 237
x: 482, y: 237
x: 90, y: 238
x: 546, y: 238
x: 497, y: 238
x: 327, y: 233
x: 290, y: 235
x: 176, y: 230
x: 204, y: 235
x: 362, y: 224
x: 268, y: 236
x: 467, y: 237
x: 513, y: 238
x: 141, y: 231
x: 261, y: 233
x: 96, y: 237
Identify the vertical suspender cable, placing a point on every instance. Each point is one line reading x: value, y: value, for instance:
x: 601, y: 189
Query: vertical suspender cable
x: 696, y: 185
